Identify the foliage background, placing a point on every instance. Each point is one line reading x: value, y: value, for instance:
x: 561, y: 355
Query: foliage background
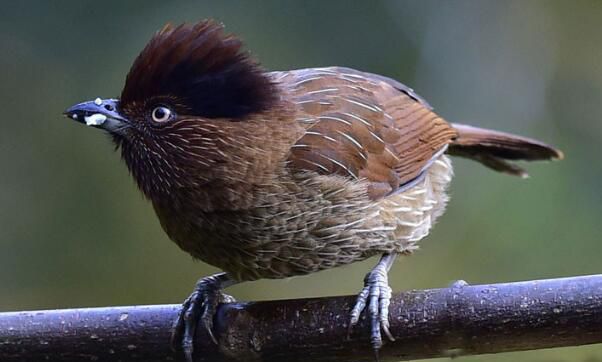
x: 74, y: 231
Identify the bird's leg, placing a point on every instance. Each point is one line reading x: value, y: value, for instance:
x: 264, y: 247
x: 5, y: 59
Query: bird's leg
x: 200, y: 306
x: 376, y: 295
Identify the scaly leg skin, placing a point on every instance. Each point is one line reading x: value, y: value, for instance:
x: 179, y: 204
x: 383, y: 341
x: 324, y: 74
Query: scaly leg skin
x: 376, y: 294
x: 201, y: 306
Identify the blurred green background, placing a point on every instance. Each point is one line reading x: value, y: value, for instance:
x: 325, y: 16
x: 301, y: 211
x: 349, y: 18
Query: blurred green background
x: 74, y: 230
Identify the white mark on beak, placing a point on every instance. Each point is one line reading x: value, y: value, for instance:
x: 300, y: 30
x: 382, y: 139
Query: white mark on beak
x: 98, y: 101
x: 96, y: 119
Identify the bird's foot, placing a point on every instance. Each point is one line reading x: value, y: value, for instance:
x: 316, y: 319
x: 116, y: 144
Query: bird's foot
x: 200, y: 306
x: 376, y: 296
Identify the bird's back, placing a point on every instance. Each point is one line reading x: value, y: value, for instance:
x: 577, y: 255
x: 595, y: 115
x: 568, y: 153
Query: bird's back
x: 363, y: 126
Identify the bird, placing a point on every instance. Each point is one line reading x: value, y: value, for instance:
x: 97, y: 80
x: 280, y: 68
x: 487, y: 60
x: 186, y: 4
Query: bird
x: 270, y: 175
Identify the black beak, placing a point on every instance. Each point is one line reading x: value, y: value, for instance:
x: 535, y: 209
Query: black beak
x: 99, y: 113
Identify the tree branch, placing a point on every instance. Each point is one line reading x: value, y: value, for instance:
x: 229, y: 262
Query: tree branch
x: 459, y: 320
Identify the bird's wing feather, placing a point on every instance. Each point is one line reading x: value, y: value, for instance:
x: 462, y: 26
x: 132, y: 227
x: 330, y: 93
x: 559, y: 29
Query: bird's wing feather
x: 363, y: 126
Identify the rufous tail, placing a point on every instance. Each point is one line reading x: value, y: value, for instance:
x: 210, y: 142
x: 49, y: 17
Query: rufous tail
x: 497, y: 150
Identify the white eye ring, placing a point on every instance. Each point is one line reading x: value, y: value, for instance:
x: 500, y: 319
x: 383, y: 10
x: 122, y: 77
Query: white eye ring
x: 161, y: 114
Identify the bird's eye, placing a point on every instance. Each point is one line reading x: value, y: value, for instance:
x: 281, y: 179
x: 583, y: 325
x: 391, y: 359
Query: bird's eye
x: 161, y: 114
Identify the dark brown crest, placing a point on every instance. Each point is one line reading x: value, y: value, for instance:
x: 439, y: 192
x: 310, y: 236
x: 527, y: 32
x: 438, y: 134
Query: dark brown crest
x: 203, y: 68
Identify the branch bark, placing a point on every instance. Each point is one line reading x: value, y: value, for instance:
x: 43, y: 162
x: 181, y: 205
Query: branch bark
x: 459, y: 320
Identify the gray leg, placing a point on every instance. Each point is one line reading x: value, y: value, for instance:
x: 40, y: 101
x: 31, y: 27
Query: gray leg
x: 376, y: 294
x: 201, y: 306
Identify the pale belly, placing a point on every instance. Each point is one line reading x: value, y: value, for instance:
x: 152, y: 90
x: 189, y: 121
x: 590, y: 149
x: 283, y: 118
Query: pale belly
x: 413, y: 212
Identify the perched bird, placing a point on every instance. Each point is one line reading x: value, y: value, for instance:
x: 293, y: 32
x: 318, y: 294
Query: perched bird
x: 278, y: 174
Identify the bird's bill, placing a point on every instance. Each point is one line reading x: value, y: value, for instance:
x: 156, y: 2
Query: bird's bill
x: 99, y: 113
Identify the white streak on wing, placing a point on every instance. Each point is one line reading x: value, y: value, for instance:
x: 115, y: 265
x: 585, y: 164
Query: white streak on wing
x: 355, y: 86
x: 362, y: 156
x: 358, y: 118
x: 364, y: 105
x: 321, y: 167
x: 377, y: 138
x: 351, y: 139
x: 313, y: 133
x: 351, y: 75
x: 308, y: 101
x: 339, y: 164
x: 338, y: 119
x: 325, y: 90
x: 282, y: 76
x: 391, y: 153
x: 373, y: 108
x: 325, y: 71
x: 349, y: 79
x: 303, y: 81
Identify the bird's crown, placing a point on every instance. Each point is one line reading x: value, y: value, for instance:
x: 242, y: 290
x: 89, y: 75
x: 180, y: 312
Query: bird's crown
x: 201, y: 69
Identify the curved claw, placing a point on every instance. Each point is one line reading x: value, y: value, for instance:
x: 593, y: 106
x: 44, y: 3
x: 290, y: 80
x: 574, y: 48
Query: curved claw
x: 359, y: 306
x: 210, y: 307
x: 178, y: 326
x: 385, y: 301
x: 190, y: 318
x: 200, y: 306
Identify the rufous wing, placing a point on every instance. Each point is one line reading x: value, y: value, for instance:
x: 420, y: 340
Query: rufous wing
x: 363, y: 127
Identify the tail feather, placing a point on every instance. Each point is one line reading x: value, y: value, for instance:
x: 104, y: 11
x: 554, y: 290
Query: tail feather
x: 495, y: 149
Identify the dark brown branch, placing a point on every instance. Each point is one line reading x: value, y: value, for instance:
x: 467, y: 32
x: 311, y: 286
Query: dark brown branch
x: 460, y: 320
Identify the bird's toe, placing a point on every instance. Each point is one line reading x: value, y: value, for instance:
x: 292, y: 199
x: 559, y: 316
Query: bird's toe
x: 200, y: 306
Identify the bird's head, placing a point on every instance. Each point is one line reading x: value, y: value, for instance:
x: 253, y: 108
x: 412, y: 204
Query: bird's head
x: 182, y: 105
